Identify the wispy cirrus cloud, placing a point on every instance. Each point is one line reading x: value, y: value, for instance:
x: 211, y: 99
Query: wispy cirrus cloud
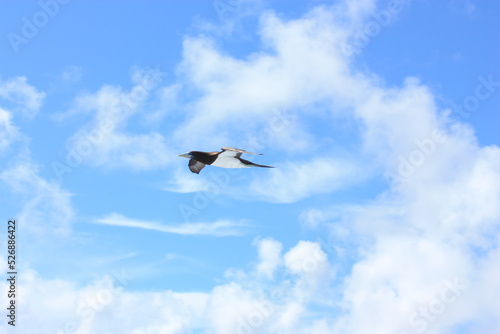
x: 219, y: 228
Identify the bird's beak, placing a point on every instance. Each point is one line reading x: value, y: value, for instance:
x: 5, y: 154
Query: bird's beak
x: 185, y: 155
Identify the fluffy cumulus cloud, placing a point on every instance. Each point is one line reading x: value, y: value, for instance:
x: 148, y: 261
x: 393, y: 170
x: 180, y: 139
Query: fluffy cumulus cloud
x: 249, y: 301
x: 429, y: 240
x: 58, y: 306
x: 300, y: 69
x: 269, y: 257
x: 432, y: 245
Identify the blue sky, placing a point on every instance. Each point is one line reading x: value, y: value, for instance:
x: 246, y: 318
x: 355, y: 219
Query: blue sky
x: 381, y: 118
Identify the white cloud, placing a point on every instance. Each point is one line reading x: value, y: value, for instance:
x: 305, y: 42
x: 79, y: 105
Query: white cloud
x: 25, y: 98
x: 304, y: 64
x: 305, y: 258
x: 168, y: 102
x: 432, y: 224
x: 46, y: 206
x: 437, y: 226
x: 302, y: 67
x: 72, y: 74
x: 269, y: 256
x: 52, y: 305
x: 183, y: 181
x: 16, y: 97
x: 311, y: 218
x: 237, y: 306
x: 104, y: 141
x: 218, y: 228
x: 318, y: 176
x: 8, y: 132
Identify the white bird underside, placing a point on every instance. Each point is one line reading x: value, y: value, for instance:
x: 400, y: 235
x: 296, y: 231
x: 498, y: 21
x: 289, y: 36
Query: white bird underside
x: 229, y: 162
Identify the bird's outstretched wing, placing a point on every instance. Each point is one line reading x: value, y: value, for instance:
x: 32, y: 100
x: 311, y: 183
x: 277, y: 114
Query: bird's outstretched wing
x: 234, y: 152
x: 195, y: 166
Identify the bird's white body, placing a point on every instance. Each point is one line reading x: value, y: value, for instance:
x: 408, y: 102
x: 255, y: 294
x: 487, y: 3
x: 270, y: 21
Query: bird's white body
x: 227, y: 159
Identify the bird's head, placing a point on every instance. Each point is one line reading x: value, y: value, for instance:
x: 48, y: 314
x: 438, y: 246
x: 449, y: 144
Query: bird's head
x: 188, y: 155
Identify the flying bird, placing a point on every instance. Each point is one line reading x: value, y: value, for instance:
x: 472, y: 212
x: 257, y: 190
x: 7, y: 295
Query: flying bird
x: 227, y: 158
